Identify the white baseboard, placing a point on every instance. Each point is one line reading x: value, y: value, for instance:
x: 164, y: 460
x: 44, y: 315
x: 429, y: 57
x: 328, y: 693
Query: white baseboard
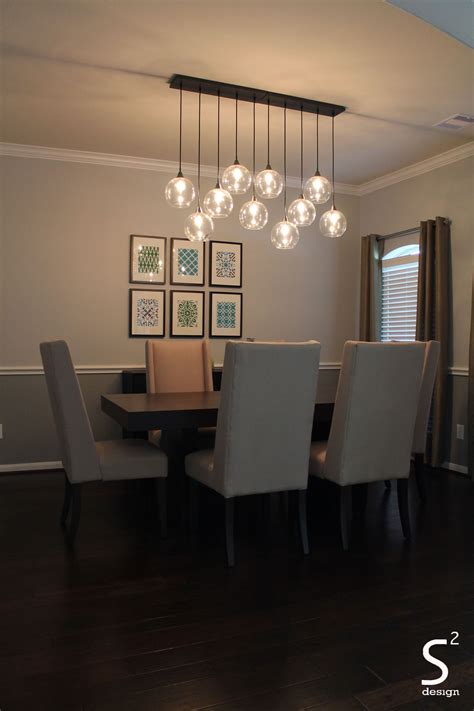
x: 459, y: 468
x: 29, y: 467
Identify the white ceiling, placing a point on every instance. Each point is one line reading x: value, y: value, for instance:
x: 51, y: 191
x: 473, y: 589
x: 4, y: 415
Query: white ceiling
x: 91, y: 75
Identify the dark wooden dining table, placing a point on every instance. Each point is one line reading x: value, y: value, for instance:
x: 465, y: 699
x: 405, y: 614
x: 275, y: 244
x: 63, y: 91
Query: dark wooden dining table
x: 138, y: 412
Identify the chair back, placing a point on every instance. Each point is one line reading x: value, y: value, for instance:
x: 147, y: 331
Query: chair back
x: 374, y: 413
x: 265, y: 417
x: 178, y: 366
x: 78, y: 451
x: 430, y: 368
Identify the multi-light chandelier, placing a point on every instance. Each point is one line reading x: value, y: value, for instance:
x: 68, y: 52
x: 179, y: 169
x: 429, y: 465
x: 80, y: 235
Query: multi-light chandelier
x: 267, y: 184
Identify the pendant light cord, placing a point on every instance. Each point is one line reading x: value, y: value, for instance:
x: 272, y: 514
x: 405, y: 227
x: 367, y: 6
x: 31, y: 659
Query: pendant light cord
x: 284, y: 160
x: 301, y: 149
x: 180, y: 172
x: 199, y: 151
x: 236, y: 125
x: 317, y: 142
x: 333, y: 189
x: 253, y: 154
x: 268, y: 135
x: 218, y: 182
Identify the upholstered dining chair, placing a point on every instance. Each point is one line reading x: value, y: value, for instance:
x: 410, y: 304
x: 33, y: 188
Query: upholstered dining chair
x: 83, y: 459
x: 178, y: 366
x: 263, y: 427
x: 430, y: 367
x: 372, y: 429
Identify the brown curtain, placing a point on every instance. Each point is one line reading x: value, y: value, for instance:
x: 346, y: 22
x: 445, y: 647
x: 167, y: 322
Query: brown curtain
x: 432, y: 321
x: 470, y: 409
x: 370, y: 289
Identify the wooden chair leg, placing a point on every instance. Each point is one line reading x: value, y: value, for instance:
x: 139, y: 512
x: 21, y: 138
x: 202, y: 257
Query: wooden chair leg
x: 420, y: 475
x: 229, y: 531
x: 67, y: 501
x: 402, y: 492
x: 388, y: 484
x: 346, y: 515
x: 76, y: 512
x: 162, y: 507
x: 193, y: 505
x: 302, y: 520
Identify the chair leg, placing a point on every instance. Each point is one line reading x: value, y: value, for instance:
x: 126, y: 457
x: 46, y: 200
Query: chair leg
x: 193, y: 505
x: 359, y: 498
x: 76, y: 512
x: 402, y: 492
x: 162, y: 507
x: 229, y: 531
x: 420, y: 475
x: 346, y: 515
x: 388, y: 484
x: 67, y: 501
x: 303, y: 522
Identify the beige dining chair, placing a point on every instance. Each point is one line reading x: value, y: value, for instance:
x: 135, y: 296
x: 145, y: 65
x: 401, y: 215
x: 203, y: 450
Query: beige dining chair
x: 179, y: 366
x: 83, y: 459
x: 263, y: 427
x: 373, y: 423
x: 430, y: 367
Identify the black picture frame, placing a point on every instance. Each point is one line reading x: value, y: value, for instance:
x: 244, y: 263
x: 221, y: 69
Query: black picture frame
x: 172, y: 293
x: 189, y: 283
x: 133, y: 280
x: 212, y: 282
x: 238, y: 296
x: 130, y: 314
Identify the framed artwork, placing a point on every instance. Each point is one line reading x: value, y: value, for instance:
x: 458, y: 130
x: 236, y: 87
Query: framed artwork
x: 187, y: 314
x: 187, y: 262
x: 225, y: 264
x: 225, y: 319
x: 147, y: 313
x: 147, y: 259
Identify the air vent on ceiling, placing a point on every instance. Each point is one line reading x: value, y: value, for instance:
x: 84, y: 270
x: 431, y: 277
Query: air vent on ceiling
x: 456, y: 122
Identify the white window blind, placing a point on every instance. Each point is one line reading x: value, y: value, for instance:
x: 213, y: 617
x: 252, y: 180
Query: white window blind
x: 399, y: 295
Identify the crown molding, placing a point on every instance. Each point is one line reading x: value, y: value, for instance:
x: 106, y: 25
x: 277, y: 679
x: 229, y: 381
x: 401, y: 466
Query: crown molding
x: 411, y: 171
x: 18, y: 150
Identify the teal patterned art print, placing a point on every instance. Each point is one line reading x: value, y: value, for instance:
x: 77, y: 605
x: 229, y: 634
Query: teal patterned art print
x: 187, y: 314
x: 226, y: 315
x: 147, y: 259
x: 187, y: 262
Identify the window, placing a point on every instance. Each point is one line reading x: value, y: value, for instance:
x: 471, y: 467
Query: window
x: 399, y: 293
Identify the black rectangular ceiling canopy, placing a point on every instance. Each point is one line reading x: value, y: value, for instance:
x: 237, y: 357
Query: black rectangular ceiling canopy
x: 245, y: 93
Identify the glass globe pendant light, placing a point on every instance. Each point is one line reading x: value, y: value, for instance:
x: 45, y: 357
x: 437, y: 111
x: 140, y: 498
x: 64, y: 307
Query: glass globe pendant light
x: 301, y: 211
x: 218, y: 203
x: 180, y: 192
x: 285, y: 235
x: 333, y: 223
x: 198, y: 226
x: 236, y: 178
x: 268, y: 183
x: 317, y: 188
x: 253, y: 214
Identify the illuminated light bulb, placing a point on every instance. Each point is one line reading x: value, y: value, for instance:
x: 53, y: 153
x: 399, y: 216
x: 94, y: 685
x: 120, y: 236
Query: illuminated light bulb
x: 198, y: 226
x: 180, y: 192
x: 333, y: 223
x: 253, y: 215
x: 285, y: 235
x: 237, y: 179
x: 302, y: 212
x: 218, y: 203
x: 268, y: 183
x: 317, y: 189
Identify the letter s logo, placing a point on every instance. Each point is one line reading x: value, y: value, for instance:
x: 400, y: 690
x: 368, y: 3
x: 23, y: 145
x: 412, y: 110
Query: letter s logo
x: 437, y: 662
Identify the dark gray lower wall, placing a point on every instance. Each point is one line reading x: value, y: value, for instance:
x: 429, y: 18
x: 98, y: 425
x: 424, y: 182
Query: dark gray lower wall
x: 29, y: 435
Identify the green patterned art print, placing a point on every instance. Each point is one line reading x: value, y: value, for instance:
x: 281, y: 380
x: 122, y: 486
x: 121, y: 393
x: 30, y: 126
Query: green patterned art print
x: 147, y: 259
x: 187, y: 314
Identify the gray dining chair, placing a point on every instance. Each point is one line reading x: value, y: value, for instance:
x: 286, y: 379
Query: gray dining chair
x: 84, y: 459
x: 373, y: 424
x: 263, y: 427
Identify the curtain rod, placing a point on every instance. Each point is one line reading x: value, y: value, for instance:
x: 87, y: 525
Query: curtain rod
x: 401, y: 233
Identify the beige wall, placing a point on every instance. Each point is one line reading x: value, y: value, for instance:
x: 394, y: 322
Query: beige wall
x: 65, y: 268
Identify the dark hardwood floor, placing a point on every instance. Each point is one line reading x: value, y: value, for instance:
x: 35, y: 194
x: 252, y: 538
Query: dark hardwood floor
x: 129, y: 623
